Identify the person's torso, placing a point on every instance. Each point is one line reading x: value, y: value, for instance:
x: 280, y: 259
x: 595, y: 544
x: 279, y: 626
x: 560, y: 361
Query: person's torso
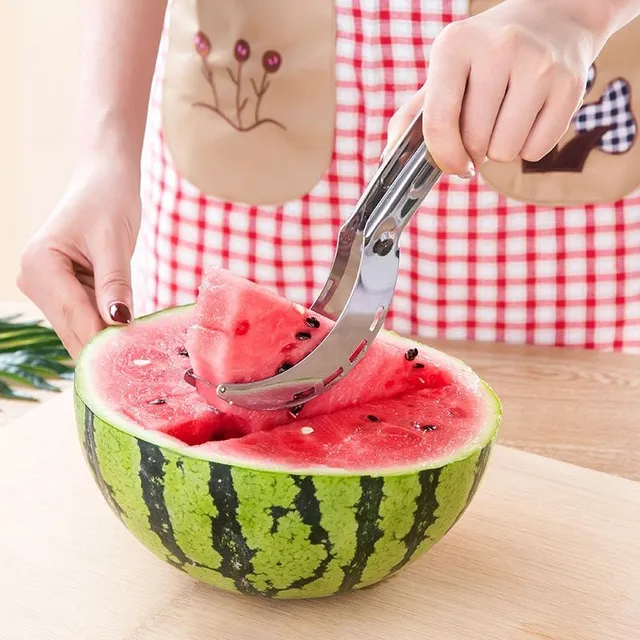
x: 268, y: 120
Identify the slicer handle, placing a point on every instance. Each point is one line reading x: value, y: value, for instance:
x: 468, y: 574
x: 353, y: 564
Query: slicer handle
x: 407, y: 176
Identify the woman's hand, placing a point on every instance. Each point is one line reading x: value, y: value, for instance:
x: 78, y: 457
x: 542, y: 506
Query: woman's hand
x: 505, y: 83
x: 77, y: 268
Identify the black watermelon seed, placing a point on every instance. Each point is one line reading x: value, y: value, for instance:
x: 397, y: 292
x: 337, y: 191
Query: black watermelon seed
x: 426, y: 427
x: 303, y: 335
x: 411, y: 354
x: 314, y: 323
x: 295, y: 411
x: 418, y: 365
x: 285, y: 366
x: 159, y: 401
x: 183, y: 352
x: 373, y: 419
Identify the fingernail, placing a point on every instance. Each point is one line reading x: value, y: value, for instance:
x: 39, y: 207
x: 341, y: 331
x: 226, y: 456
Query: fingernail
x: 119, y: 312
x: 381, y: 160
x: 468, y: 175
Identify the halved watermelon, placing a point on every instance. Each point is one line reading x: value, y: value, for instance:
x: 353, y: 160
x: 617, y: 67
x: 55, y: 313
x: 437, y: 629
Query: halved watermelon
x: 326, y: 499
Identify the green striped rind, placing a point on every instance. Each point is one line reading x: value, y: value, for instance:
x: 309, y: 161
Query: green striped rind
x: 272, y: 533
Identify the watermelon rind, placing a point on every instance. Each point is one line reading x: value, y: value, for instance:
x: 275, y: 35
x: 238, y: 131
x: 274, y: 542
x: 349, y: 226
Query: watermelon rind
x: 281, y: 533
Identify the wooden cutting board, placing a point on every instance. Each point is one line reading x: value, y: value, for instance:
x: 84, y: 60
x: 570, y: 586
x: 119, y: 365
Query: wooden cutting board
x: 547, y: 551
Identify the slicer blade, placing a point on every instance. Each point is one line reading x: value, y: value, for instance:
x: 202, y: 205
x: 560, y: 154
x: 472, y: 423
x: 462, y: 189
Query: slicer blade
x: 361, y: 283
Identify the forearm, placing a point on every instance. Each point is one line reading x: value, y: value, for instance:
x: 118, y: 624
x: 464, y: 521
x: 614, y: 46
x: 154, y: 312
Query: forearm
x: 621, y: 12
x: 604, y: 17
x: 118, y: 54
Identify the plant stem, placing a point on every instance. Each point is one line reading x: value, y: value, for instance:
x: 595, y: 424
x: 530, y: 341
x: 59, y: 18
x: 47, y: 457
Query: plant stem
x: 240, y: 104
x: 238, y: 88
x: 205, y: 105
x: 259, y: 93
x: 255, y: 125
x: 208, y: 74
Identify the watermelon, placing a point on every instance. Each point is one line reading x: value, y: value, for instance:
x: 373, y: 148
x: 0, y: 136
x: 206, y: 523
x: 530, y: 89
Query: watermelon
x: 228, y: 306
x: 332, y: 496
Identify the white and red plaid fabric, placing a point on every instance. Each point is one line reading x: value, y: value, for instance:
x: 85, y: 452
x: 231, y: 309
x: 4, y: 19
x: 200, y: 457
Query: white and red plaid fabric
x: 475, y: 264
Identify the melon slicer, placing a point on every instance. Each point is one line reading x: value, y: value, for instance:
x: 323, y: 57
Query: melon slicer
x: 361, y: 283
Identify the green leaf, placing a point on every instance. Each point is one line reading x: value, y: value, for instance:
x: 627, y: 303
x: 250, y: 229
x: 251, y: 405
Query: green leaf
x: 30, y: 356
x: 16, y: 374
x: 12, y: 328
x: 38, y: 346
x: 14, y: 317
x: 35, y: 363
x: 8, y: 393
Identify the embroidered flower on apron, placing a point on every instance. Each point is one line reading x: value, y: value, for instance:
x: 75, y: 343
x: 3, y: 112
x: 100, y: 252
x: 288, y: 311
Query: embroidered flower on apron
x: 271, y: 61
x: 249, y: 96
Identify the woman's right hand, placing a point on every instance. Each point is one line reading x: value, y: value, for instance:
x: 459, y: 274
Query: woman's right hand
x: 76, y: 269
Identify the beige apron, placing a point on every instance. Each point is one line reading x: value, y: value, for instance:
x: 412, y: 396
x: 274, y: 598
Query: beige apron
x: 249, y: 96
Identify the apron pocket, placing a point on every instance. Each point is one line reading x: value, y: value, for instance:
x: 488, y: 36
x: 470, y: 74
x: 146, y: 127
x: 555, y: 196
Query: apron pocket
x: 598, y: 158
x: 249, y: 96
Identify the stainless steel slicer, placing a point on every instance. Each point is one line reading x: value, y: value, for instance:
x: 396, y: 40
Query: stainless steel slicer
x: 361, y: 283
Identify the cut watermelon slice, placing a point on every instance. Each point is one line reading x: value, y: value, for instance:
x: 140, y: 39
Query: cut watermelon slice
x: 259, y: 334
x: 324, y: 500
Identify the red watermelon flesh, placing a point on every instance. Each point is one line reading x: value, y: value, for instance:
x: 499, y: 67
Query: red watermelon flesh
x: 142, y: 375
x: 384, y: 434
x: 244, y: 332
x: 387, y: 414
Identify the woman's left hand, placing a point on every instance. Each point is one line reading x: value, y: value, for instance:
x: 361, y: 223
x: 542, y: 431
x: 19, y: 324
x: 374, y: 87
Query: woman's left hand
x: 505, y: 83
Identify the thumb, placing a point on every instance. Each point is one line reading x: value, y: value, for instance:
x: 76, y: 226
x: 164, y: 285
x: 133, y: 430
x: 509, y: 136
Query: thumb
x: 112, y: 273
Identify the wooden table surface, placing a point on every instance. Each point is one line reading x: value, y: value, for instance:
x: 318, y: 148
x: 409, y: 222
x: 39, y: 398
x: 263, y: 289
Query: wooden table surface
x: 576, y: 406
x: 547, y: 551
